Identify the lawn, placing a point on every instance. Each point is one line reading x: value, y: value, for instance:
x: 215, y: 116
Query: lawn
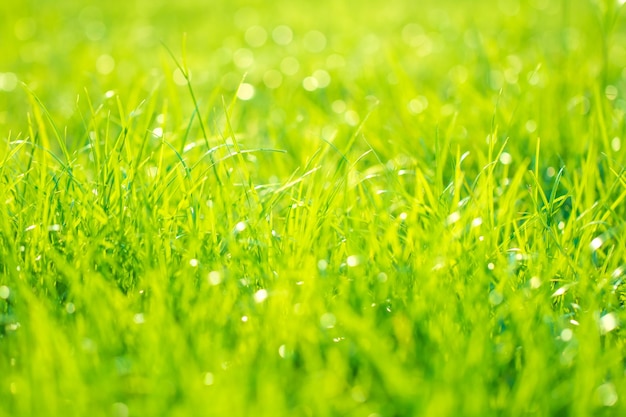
x: 332, y: 208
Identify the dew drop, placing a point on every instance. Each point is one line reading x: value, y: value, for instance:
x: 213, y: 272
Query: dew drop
x: 260, y: 296
x: 209, y: 379
x: 353, y: 260
x: 535, y: 283
x: 4, y: 292
x: 596, y: 243
x: 314, y: 41
x: 607, y: 395
x: 179, y: 77
x: 8, y: 81
x: 255, y: 36
x: 322, y: 265
x: 282, y: 35
x: 616, y: 144
x: 272, y: 78
x: 352, y: 118
x: 608, y: 323
x: 506, y: 158
x: 453, y: 218
x: 214, y: 278
x: 566, y: 335
x: 105, y: 64
x: 120, y: 410
x: 495, y: 298
x: 328, y: 320
x: 245, y: 92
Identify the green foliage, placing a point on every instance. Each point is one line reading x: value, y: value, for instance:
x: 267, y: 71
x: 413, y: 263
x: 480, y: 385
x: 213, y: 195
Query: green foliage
x: 312, y: 208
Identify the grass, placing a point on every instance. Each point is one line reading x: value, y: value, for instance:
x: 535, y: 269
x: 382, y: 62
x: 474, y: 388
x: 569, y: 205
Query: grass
x: 314, y: 210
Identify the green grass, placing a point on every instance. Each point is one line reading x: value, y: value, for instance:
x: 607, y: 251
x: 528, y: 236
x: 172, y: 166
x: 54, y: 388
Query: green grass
x: 312, y: 208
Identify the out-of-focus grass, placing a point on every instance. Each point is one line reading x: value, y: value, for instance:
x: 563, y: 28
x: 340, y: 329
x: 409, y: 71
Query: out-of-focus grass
x: 391, y: 209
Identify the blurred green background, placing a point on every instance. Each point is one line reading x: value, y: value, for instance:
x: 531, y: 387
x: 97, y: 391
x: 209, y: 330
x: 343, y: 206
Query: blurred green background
x: 469, y: 58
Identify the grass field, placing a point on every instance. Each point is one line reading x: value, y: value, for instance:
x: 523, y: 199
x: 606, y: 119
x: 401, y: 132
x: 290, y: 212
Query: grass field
x: 331, y: 208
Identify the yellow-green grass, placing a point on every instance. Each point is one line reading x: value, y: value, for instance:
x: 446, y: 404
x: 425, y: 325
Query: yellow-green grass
x: 312, y: 209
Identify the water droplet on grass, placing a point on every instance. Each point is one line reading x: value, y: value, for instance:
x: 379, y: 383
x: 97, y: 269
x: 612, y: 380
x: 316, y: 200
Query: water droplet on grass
x: 453, y: 218
x: 358, y: 394
x: 352, y: 118
x: 193, y: 263
x: 566, y: 335
x: 256, y: 36
x: 105, y: 64
x: 120, y: 410
x: 354, y: 260
x: 610, y: 92
x: 139, y: 318
x: 322, y: 77
x: 310, y: 84
x: 272, y: 78
x: 531, y: 126
x: 314, y: 41
x: 328, y: 320
x: 495, y: 298
x: 616, y: 144
x: 214, y: 278
x: 282, y: 35
x: 322, y: 265
x: 418, y: 105
x: 245, y: 92
x: 535, y: 282
x: 8, y: 81
x: 289, y: 65
x: 209, y: 379
x: 607, y: 395
x: 477, y: 222
x: 4, y: 292
x: 339, y: 106
x: 260, y: 296
x: 596, y: 243
x: 506, y: 158
x: 243, y: 58
x: 608, y: 323
x: 70, y: 308
x: 179, y: 77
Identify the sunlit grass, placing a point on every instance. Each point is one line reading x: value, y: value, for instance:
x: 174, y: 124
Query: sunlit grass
x: 332, y: 210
